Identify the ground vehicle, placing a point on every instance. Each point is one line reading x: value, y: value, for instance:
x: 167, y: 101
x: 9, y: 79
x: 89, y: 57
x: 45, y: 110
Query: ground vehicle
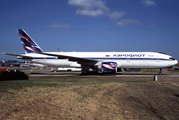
x: 3, y: 69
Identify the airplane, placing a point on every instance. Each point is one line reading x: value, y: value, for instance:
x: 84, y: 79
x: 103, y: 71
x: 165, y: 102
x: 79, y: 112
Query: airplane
x: 106, y: 62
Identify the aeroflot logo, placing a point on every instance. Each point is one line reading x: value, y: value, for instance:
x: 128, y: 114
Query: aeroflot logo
x: 128, y: 55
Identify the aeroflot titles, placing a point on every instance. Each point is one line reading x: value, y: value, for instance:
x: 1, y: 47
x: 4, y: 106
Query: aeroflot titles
x: 128, y: 55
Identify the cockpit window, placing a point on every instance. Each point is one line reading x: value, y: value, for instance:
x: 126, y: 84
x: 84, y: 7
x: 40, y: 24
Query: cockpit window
x: 162, y: 53
x: 171, y: 58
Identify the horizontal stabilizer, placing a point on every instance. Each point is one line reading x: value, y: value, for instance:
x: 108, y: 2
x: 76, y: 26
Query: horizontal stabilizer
x: 22, y: 56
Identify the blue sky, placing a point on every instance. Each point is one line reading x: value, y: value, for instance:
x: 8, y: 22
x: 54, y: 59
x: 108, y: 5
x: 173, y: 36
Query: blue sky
x: 91, y: 25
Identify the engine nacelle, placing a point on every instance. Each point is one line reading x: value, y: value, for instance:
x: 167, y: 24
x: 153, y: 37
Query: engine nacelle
x: 108, y: 67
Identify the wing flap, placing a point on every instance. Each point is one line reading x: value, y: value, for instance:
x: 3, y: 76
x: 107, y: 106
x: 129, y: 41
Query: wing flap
x: 71, y: 58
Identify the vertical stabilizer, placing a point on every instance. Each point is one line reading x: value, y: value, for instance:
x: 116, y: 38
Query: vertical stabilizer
x: 28, y: 44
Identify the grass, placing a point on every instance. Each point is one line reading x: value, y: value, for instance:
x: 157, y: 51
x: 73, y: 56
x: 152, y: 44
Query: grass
x: 65, y: 97
x: 89, y: 98
x: 52, y: 82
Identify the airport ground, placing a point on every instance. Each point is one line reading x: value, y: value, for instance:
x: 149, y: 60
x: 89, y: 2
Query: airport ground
x: 97, y: 97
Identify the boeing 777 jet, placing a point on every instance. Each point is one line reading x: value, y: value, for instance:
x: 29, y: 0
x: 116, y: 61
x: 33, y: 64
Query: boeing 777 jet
x: 95, y: 61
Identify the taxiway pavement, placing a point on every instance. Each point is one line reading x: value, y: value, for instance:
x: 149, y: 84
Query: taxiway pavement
x: 108, y: 75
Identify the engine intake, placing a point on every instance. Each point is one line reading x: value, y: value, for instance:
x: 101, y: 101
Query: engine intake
x: 108, y: 67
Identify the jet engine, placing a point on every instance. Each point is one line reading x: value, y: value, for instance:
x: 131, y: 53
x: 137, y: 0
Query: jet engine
x: 108, y: 67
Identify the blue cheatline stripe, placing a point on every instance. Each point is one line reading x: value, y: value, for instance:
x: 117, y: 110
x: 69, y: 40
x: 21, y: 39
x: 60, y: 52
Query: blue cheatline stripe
x: 41, y: 58
x: 130, y: 59
x: 45, y: 58
x: 108, y: 58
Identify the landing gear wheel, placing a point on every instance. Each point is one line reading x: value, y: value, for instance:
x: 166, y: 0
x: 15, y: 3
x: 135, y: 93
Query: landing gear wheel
x: 160, y: 73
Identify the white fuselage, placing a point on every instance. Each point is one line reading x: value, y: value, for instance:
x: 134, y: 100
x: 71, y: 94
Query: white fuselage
x: 123, y: 59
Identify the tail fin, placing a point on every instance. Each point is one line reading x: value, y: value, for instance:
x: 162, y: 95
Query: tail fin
x: 28, y: 44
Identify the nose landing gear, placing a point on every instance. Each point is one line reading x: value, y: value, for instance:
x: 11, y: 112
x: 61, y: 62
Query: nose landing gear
x: 160, y: 73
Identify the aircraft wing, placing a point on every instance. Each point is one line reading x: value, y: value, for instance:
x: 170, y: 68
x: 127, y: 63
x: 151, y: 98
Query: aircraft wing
x: 23, y: 56
x: 71, y: 58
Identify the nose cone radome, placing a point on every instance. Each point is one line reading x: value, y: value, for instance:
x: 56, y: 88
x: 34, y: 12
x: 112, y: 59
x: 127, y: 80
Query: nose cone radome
x: 176, y: 62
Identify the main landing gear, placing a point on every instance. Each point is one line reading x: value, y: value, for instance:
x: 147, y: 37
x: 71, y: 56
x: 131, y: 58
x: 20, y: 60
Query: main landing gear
x: 160, y: 73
